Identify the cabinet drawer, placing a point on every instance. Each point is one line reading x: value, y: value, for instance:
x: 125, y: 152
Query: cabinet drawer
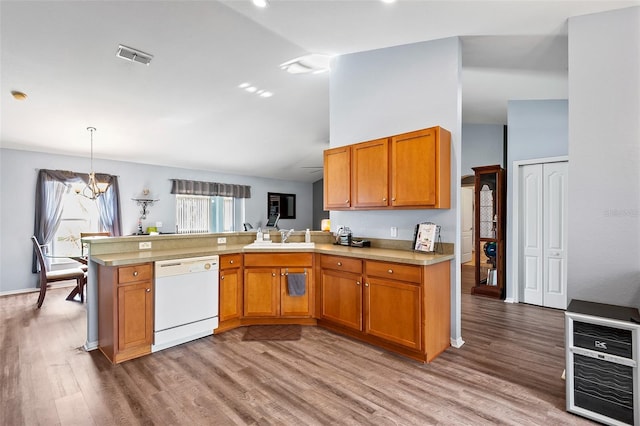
x: 129, y: 274
x: 278, y: 260
x: 347, y: 264
x: 394, y: 271
x: 231, y: 261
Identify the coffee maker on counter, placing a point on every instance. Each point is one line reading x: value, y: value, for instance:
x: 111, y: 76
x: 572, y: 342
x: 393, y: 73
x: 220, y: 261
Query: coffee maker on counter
x: 343, y: 236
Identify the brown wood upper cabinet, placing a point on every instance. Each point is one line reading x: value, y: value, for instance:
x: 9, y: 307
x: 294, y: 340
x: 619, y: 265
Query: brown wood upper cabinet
x: 337, y: 183
x: 410, y: 170
x: 370, y: 174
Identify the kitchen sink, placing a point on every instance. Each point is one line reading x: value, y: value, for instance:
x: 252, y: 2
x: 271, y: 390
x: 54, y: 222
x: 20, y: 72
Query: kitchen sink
x: 280, y: 246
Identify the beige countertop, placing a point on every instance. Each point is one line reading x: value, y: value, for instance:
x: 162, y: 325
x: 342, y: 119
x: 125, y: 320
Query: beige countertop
x: 370, y: 253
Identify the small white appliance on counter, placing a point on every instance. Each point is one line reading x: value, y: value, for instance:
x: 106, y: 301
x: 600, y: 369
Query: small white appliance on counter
x: 186, y: 300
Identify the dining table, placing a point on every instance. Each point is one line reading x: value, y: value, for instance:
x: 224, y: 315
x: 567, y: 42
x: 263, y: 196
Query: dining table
x: 84, y: 260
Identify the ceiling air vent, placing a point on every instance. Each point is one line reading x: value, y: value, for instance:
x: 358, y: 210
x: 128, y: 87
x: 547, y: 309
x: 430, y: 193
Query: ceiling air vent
x: 133, y: 55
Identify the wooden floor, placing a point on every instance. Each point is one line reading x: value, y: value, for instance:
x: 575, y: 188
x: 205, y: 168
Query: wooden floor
x: 508, y: 372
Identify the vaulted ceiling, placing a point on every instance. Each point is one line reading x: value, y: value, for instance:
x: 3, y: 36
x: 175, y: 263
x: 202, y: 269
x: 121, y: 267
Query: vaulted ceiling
x: 186, y: 110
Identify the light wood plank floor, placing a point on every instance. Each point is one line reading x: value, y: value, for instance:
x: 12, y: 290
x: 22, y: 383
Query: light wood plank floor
x: 508, y: 372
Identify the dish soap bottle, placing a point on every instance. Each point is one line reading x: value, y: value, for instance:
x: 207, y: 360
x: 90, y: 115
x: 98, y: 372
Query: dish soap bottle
x: 307, y: 236
x: 259, y: 235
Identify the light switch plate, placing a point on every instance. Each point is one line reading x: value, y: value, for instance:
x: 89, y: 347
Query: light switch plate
x: 144, y: 245
x: 222, y: 240
x: 394, y: 232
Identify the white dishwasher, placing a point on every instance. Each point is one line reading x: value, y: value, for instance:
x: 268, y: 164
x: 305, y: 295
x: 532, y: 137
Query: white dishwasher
x: 186, y: 300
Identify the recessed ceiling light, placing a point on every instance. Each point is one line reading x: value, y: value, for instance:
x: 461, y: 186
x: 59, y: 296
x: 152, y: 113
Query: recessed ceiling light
x: 260, y: 3
x: 314, y: 63
x: 18, y: 95
x: 253, y: 89
x: 388, y: 1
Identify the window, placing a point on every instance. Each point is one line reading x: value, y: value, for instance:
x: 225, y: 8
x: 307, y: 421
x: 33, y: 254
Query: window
x: 79, y: 214
x: 201, y: 214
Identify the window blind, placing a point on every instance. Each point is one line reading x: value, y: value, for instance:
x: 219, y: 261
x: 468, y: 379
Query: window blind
x: 193, y: 214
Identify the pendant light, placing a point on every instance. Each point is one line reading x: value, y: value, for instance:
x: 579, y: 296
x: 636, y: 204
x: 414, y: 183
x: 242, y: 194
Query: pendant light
x: 93, y: 189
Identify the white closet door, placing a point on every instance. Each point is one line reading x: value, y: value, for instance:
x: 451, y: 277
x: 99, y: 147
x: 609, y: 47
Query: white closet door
x: 543, y: 233
x: 531, y: 262
x: 555, y: 235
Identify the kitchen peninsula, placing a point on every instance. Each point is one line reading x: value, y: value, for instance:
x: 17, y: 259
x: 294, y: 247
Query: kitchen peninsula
x: 385, y: 295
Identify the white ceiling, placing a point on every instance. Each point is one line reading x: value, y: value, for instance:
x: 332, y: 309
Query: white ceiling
x: 185, y: 109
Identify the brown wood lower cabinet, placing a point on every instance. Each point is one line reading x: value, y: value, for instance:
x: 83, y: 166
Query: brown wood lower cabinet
x: 266, y: 279
x: 261, y: 292
x: 341, y: 291
x: 403, y: 308
x: 393, y: 311
x: 231, y: 289
x: 125, y: 311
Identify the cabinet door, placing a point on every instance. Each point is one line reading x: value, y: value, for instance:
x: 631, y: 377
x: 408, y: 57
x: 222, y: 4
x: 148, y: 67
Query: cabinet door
x: 297, y: 306
x: 392, y: 311
x: 135, y: 315
x: 414, y: 169
x: 342, y: 298
x: 230, y: 294
x: 370, y: 174
x: 337, y: 178
x: 261, y: 292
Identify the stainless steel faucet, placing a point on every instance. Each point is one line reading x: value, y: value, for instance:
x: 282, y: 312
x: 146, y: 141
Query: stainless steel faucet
x: 284, y: 235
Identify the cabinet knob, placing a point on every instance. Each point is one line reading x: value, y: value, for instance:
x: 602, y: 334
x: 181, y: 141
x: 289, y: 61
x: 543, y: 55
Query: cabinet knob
x: 346, y: 201
x: 339, y: 263
x: 231, y: 262
x: 390, y: 271
x: 366, y: 284
x: 384, y: 199
x: 135, y: 273
x: 393, y: 199
x: 222, y: 277
x: 273, y: 274
x: 148, y: 290
x: 357, y: 282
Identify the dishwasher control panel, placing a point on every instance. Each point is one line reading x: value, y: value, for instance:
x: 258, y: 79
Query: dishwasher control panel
x: 191, y: 265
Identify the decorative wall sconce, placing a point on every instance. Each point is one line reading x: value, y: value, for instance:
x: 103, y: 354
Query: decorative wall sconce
x: 144, y: 204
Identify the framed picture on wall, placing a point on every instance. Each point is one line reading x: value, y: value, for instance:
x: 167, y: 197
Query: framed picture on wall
x: 425, y: 236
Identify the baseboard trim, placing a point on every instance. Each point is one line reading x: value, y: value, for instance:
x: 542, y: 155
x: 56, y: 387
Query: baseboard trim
x: 90, y: 346
x: 21, y: 291
x: 457, y: 343
x: 35, y: 290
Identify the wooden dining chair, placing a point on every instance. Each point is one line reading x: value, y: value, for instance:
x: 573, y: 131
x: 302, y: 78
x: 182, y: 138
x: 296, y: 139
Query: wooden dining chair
x: 47, y: 277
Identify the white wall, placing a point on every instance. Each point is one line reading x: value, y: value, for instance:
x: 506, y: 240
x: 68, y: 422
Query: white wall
x: 604, y: 157
x: 482, y: 145
x: 536, y: 129
x: 19, y: 169
x: 394, y: 90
